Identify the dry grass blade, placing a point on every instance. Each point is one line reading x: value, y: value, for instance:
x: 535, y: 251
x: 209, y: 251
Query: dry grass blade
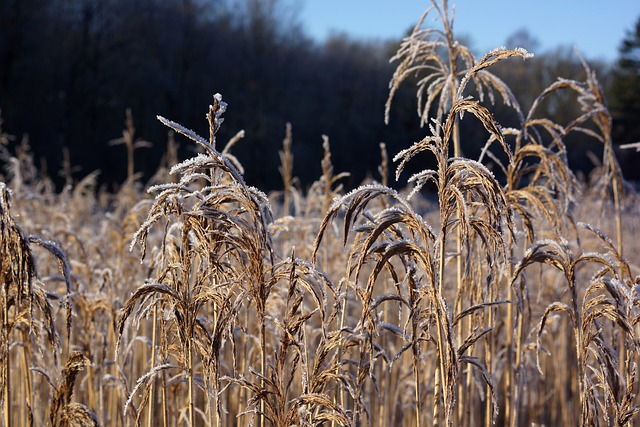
x: 22, y: 299
x: 420, y: 53
x: 64, y: 267
x: 485, y: 117
x: 17, y: 262
x: 337, y: 414
x: 64, y: 412
x: 286, y: 168
x: 78, y: 415
x: 356, y: 202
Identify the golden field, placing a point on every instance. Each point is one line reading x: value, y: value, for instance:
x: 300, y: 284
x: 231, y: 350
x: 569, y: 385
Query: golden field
x: 494, y: 290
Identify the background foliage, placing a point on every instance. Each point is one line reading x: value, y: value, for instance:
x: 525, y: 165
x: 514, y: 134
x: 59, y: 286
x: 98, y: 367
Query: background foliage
x: 69, y: 69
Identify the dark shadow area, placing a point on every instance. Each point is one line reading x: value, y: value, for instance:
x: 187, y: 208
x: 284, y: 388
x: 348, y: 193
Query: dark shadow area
x: 69, y: 69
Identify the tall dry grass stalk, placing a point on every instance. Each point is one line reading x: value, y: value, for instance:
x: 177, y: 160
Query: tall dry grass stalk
x: 215, y: 273
x: 214, y: 235
x: 26, y: 311
x: 131, y: 145
x: 399, y: 232
x: 448, y: 67
x: 286, y: 169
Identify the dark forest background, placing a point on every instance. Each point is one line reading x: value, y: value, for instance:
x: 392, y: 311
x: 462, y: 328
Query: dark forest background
x: 69, y: 69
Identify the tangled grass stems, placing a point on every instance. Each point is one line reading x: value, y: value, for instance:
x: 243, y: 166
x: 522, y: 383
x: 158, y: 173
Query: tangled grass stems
x: 402, y: 311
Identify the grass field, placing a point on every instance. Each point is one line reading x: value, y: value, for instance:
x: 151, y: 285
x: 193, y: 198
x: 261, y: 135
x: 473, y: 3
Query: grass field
x: 508, y: 296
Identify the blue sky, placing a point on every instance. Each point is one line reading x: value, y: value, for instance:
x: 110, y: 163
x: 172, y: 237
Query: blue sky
x: 596, y: 27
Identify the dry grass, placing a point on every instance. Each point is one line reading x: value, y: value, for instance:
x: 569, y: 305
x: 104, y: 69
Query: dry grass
x: 500, y: 302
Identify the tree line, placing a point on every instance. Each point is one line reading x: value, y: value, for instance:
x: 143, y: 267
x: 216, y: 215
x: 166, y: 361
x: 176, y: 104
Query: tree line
x: 69, y: 69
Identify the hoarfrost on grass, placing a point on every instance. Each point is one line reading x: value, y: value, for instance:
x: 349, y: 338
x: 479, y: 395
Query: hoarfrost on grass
x: 635, y: 145
x: 199, y: 161
x: 524, y: 52
x: 420, y: 179
x: 222, y: 105
x: 184, y: 131
x: 472, y: 165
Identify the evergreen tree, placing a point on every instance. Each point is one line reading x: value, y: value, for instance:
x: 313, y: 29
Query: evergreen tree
x: 625, y: 91
x: 625, y: 101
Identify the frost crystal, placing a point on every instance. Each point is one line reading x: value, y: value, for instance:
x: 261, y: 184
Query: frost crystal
x: 223, y: 105
x: 525, y: 54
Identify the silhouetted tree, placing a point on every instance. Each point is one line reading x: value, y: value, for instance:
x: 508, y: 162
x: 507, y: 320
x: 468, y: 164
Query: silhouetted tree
x: 69, y: 69
x: 625, y: 99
